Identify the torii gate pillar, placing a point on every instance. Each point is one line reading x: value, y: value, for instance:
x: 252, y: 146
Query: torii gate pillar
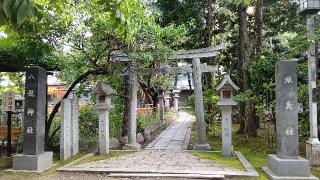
x: 202, y: 144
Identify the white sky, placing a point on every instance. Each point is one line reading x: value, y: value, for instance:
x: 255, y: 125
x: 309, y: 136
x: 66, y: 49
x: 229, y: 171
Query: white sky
x: 51, y: 80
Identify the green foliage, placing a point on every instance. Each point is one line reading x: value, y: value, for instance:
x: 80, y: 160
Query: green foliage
x: 244, y: 2
x: 56, y: 123
x: 16, y: 11
x: 88, y: 123
x: 144, y: 121
x: 116, y: 117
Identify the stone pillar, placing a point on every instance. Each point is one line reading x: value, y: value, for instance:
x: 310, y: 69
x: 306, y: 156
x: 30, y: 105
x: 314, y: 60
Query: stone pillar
x: 176, y: 101
x: 34, y: 158
x: 65, y: 130
x: 226, y: 121
x: 161, y: 104
x: 313, y: 144
x: 69, y: 132
x: 132, y: 135
x: 198, y: 100
x: 75, y: 126
x: 104, y: 131
x: 287, y: 164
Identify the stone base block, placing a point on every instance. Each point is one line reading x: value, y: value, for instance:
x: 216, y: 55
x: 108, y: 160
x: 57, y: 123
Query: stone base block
x: 272, y: 176
x: 202, y: 147
x: 135, y: 146
x: 226, y: 152
x: 288, y: 168
x: 313, y: 152
x: 40, y: 162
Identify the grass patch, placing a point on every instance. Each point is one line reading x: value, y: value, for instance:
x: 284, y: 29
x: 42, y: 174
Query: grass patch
x: 255, y: 150
x: 23, y: 175
x: 217, y: 157
x: 104, y: 157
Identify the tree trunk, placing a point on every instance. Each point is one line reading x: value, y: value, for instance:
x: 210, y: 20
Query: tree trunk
x: 209, y: 16
x: 126, y: 104
x: 55, y: 110
x: 258, y: 28
x: 244, y: 60
x: 241, y: 118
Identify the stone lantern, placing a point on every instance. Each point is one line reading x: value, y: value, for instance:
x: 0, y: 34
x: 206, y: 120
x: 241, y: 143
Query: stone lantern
x: 308, y: 9
x: 309, y: 6
x: 176, y: 100
x: 226, y: 88
x: 103, y: 93
x: 161, y: 104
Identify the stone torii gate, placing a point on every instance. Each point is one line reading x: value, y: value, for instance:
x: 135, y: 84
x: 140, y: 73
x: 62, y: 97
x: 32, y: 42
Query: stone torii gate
x: 197, y: 69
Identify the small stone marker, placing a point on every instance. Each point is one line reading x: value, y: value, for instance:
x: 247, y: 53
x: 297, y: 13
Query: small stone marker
x: 34, y: 158
x: 8, y: 104
x: 176, y: 100
x: 226, y: 102
x: 287, y: 164
x: 103, y: 94
x: 161, y: 104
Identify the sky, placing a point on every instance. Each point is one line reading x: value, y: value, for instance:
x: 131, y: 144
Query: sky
x: 51, y: 80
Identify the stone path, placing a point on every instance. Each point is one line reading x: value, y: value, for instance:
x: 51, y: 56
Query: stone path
x: 164, y: 157
x: 156, y: 161
x: 176, y: 136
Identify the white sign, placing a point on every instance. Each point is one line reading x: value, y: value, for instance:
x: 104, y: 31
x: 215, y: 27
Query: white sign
x: 8, y: 101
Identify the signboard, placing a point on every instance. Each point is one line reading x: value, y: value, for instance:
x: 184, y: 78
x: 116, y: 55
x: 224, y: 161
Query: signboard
x: 8, y: 101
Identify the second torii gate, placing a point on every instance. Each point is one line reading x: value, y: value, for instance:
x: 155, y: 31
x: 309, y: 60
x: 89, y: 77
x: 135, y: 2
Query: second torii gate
x: 197, y: 69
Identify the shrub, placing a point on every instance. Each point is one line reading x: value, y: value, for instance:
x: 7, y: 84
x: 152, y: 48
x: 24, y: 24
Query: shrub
x: 144, y: 121
x: 88, y: 123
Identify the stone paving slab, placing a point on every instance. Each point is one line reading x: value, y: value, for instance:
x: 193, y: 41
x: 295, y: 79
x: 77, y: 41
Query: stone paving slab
x: 176, y: 136
x: 157, y: 175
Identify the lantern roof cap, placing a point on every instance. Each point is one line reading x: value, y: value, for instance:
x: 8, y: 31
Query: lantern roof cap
x: 102, y: 87
x: 227, y: 80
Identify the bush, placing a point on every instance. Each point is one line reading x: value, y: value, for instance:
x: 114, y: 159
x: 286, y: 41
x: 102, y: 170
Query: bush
x: 88, y: 123
x: 210, y: 99
x: 55, y: 124
x: 144, y: 121
x: 116, y: 117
